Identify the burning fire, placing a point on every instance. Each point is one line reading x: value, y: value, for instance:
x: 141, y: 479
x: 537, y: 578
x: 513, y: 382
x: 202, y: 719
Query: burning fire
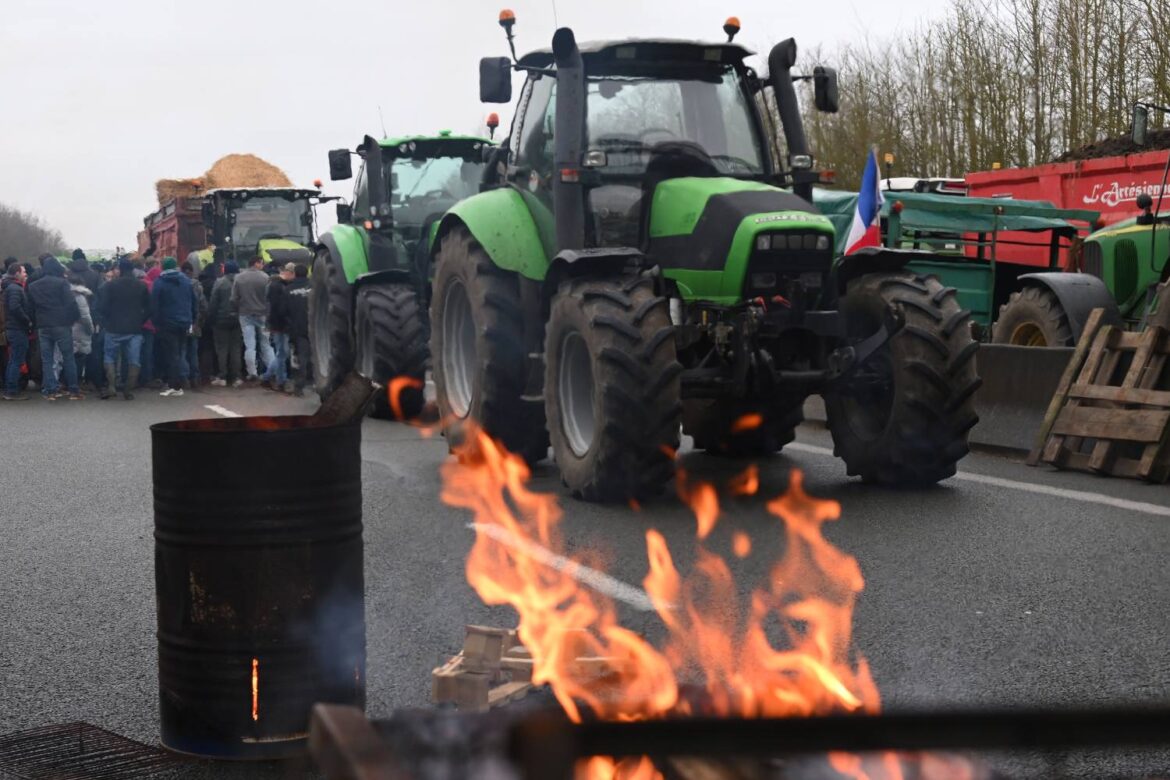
x: 255, y: 689
x: 394, y: 393
x: 720, y: 657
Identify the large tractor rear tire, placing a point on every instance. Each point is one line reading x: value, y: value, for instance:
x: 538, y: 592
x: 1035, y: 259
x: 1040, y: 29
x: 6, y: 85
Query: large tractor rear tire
x: 1033, y: 317
x: 391, y: 335
x: 740, y: 429
x: 330, y: 324
x: 612, y: 388
x: 477, y: 350
x: 903, y: 417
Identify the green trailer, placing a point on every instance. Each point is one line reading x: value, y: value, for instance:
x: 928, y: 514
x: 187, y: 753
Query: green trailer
x: 371, y: 274
x: 1006, y: 258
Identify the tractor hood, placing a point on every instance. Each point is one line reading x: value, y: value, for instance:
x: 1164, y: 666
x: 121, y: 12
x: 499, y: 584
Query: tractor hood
x: 704, y: 215
x: 703, y: 231
x: 282, y: 250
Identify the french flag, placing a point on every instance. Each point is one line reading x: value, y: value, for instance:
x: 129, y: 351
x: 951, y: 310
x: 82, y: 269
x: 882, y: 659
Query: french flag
x: 866, y: 229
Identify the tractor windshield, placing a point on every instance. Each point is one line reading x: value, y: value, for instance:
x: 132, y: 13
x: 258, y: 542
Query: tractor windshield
x: 269, y: 216
x: 708, y: 113
x: 422, y: 190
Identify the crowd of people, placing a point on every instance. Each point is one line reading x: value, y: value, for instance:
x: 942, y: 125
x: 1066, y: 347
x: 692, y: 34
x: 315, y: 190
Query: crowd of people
x: 145, y: 323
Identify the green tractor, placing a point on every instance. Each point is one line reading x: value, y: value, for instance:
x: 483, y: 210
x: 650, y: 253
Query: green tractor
x: 370, y: 290
x: 635, y: 263
x: 275, y: 223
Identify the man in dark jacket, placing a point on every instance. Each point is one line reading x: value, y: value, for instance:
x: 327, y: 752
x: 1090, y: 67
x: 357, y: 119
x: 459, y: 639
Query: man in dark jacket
x: 189, y: 365
x: 174, y: 308
x: 17, y: 325
x: 296, y: 296
x: 81, y: 272
x: 123, y: 306
x: 225, y: 327
x: 276, y: 374
x: 54, y: 309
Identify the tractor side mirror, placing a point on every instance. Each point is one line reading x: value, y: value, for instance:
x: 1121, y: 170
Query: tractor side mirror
x: 1141, y: 124
x: 495, y: 80
x: 825, y: 93
x: 340, y: 167
x: 344, y: 213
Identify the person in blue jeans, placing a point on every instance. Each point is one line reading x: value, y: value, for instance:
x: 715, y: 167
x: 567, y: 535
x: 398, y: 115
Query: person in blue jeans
x: 54, y: 309
x: 123, y: 305
x: 249, y: 296
x: 276, y: 374
x: 16, y: 329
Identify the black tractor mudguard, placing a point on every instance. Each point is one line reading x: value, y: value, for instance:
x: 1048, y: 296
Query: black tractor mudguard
x: 1078, y: 294
x: 570, y: 263
x: 874, y: 259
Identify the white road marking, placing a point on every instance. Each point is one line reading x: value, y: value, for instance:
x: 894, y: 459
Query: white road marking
x: 221, y: 411
x: 597, y: 580
x: 1029, y: 487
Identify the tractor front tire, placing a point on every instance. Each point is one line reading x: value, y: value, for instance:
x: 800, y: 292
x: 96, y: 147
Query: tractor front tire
x: 1033, y: 317
x: 330, y: 324
x: 391, y: 335
x: 902, y: 417
x: 612, y: 388
x: 740, y: 429
x: 477, y: 350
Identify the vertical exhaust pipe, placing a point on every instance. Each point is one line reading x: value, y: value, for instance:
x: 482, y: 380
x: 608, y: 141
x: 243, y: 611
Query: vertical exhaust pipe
x: 780, y: 62
x: 568, y: 195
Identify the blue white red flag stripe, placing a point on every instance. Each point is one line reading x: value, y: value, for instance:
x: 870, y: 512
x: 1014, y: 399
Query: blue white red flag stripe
x: 866, y: 229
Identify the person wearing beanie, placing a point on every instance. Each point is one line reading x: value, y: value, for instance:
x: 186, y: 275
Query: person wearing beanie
x: 224, y: 317
x: 123, y: 306
x: 17, y: 325
x: 297, y: 323
x: 53, y: 307
x: 174, y: 309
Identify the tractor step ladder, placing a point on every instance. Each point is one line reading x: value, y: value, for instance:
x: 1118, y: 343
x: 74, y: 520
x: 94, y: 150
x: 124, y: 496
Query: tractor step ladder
x: 1111, y: 411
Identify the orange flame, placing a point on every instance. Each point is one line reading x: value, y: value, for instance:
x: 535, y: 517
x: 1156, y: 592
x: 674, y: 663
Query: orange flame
x: 394, y: 393
x: 741, y: 544
x: 745, y: 484
x: 749, y: 422
x: 255, y: 689
x: 732, y: 647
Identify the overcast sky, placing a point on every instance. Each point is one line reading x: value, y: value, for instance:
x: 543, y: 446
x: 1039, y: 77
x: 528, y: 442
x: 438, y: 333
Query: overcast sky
x: 103, y: 97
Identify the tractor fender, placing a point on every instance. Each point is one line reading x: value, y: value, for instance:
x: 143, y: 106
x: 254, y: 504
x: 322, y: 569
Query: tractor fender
x: 501, y: 222
x: 389, y: 276
x: 607, y: 261
x: 1078, y: 294
x: 347, y: 244
x: 872, y: 259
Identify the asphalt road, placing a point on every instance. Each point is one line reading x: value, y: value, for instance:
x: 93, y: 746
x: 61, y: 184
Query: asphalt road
x: 1008, y: 586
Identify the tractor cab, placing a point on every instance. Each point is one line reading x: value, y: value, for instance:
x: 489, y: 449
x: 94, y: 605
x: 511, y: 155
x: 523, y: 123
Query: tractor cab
x: 405, y: 185
x: 274, y: 223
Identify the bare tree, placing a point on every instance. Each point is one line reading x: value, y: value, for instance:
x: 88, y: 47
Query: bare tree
x: 25, y: 236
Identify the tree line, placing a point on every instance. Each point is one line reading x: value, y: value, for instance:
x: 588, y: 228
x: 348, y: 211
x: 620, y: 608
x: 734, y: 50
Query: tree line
x: 1008, y: 82
x: 26, y: 236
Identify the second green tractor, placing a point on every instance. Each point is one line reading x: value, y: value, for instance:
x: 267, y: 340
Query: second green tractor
x: 371, y: 274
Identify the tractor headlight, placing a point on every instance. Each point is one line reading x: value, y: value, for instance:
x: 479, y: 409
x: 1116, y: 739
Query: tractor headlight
x: 823, y: 243
x: 802, y: 162
x: 763, y: 243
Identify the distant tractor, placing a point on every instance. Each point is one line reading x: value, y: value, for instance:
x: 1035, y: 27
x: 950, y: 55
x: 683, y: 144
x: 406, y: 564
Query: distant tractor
x: 371, y: 273
x: 273, y: 222
x: 634, y: 266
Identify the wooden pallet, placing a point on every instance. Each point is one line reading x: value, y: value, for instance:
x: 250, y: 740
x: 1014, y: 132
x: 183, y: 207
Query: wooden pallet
x: 1111, y: 411
x: 494, y: 669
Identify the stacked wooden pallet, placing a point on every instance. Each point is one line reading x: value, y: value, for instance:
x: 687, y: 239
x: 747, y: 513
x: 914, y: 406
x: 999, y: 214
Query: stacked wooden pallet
x: 1111, y: 410
x: 492, y: 670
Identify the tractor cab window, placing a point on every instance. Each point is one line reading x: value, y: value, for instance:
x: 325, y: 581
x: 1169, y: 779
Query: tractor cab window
x: 263, y: 217
x: 706, y: 114
x: 361, y: 195
x: 534, y: 154
x: 422, y: 190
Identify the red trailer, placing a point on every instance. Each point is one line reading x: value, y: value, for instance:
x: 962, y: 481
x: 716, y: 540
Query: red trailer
x: 174, y: 230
